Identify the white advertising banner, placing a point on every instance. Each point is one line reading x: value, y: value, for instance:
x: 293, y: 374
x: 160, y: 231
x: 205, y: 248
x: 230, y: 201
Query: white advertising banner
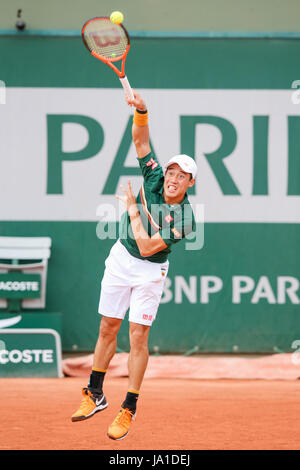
x: 26, y: 156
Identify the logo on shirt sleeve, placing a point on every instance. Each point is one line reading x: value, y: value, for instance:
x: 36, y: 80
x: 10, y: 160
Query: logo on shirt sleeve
x: 168, y: 218
x: 152, y: 163
x: 176, y: 233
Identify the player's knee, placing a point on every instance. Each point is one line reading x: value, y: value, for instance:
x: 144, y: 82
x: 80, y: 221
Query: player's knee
x: 109, y: 328
x: 139, y: 338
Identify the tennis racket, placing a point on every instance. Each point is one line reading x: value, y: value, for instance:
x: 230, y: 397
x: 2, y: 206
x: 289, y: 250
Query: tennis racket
x: 108, y: 42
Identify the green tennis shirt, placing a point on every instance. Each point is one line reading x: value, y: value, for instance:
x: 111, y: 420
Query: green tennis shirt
x: 173, y: 222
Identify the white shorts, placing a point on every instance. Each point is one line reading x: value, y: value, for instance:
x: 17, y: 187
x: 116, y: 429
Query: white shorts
x: 131, y: 282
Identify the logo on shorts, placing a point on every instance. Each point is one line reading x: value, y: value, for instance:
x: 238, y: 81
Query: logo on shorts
x: 168, y: 218
x: 147, y: 317
x: 163, y: 271
x: 176, y: 233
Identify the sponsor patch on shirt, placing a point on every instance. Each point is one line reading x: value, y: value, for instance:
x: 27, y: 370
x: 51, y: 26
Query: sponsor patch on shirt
x: 168, y: 218
x: 152, y: 162
x: 176, y: 233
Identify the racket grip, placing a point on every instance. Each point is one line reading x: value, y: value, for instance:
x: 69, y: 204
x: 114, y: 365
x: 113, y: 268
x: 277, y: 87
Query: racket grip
x: 127, y: 88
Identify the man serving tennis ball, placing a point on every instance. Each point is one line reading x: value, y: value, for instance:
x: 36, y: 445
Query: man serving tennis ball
x: 137, y: 266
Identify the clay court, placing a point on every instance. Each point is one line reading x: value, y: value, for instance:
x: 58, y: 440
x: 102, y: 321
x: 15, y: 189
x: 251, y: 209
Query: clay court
x: 173, y: 414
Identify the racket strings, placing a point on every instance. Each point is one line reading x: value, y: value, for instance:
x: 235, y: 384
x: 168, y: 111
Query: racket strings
x: 106, y: 39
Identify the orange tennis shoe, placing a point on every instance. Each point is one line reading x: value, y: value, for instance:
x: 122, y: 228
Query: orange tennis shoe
x: 120, y: 427
x: 90, y: 404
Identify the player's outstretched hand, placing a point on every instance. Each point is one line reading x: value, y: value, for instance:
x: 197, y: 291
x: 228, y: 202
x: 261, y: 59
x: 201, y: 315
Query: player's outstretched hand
x: 128, y: 199
x: 137, y: 102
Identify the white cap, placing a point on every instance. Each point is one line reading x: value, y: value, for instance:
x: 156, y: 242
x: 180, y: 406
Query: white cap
x: 186, y: 163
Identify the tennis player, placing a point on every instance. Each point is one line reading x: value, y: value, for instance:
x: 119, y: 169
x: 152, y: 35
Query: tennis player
x: 137, y: 266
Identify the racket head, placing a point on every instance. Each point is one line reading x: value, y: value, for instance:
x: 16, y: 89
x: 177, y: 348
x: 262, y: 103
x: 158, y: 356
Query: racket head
x: 105, y: 40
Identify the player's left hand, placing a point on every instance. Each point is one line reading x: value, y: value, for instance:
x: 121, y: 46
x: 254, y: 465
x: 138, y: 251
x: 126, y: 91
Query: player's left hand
x: 137, y: 101
x: 128, y: 199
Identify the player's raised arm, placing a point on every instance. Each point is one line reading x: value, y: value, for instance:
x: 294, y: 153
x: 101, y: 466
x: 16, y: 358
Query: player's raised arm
x: 140, y: 129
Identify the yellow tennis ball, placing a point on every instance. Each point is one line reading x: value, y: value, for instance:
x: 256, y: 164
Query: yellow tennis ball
x: 116, y: 17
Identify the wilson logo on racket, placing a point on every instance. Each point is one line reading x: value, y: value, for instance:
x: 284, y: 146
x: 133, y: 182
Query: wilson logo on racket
x: 112, y: 39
